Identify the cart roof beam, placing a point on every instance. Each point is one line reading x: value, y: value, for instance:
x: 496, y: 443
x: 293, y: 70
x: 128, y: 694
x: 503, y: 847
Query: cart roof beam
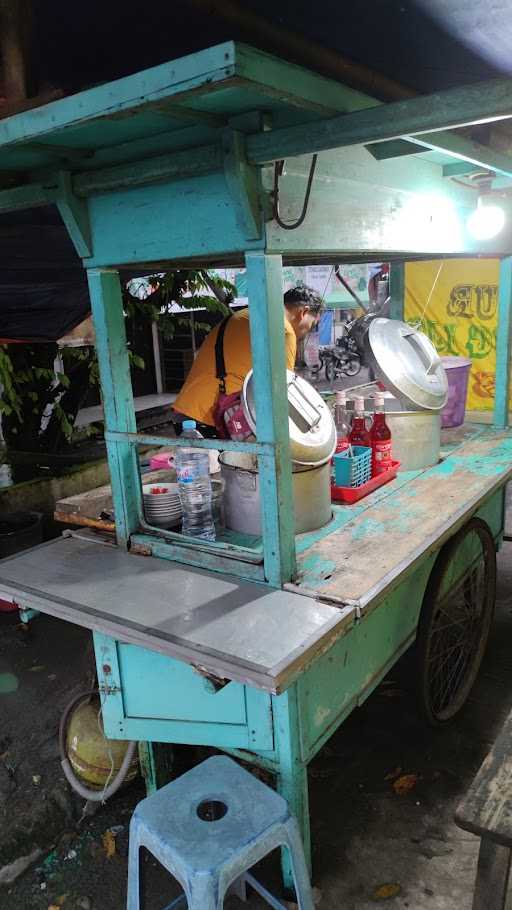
x: 482, y: 102
x: 459, y: 147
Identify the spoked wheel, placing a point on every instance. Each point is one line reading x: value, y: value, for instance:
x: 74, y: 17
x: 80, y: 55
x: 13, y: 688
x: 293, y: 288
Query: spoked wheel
x: 352, y: 367
x: 329, y: 370
x: 455, y: 621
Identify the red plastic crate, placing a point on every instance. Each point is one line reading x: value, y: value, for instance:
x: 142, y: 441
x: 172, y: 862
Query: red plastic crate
x: 349, y: 495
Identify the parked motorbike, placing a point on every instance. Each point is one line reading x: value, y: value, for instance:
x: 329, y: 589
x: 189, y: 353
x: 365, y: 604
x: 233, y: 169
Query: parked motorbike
x: 341, y: 359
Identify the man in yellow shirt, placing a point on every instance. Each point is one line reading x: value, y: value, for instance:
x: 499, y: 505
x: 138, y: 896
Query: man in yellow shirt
x: 199, y: 394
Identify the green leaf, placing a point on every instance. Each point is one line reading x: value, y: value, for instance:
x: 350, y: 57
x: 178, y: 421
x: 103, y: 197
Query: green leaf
x: 64, y: 380
x: 137, y: 361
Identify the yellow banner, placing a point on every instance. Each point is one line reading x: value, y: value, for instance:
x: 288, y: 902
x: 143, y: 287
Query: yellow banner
x: 455, y: 303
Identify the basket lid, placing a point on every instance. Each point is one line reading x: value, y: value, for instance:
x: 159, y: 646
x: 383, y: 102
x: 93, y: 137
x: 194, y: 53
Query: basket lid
x: 408, y: 363
x: 311, y: 424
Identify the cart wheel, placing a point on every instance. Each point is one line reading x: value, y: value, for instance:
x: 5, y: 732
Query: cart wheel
x: 455, y: 620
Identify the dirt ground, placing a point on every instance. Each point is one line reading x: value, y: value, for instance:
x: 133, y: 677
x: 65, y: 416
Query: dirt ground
x: 365, y: 835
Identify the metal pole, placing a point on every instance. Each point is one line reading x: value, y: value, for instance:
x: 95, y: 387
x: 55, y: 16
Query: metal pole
x: 503, y: 343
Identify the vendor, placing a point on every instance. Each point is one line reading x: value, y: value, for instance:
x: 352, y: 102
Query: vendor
x: 198, y: 397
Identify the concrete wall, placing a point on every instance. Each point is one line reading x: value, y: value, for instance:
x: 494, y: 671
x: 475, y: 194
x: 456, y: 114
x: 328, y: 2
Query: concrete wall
x: 41, y: 494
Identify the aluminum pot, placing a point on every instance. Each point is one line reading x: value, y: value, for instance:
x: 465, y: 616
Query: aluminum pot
x: 416, y: 435
x: 311, y: 494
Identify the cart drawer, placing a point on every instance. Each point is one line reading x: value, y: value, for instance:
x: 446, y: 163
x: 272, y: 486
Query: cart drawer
x: 149, y: 696
x: 157, y: 686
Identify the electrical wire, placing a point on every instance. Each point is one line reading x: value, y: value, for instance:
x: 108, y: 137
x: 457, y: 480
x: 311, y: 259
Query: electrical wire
x: 278, y: 172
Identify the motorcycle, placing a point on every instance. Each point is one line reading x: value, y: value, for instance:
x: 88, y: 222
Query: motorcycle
x: 341, y: 359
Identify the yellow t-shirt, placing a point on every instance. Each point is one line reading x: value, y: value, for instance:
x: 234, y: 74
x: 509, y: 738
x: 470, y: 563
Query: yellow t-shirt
x: 199, y: 393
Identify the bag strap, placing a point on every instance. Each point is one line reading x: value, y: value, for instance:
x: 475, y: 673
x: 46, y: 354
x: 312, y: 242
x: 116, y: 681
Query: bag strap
x: 220, y: 364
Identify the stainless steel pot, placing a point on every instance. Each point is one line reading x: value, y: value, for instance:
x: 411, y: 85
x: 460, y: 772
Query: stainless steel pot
x: 310, y: 423
x: 416, y: 437
x: 242, y: 510
x: 415, y: 434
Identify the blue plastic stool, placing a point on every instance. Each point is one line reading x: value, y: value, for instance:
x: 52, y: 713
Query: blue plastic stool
x: 207, y: 828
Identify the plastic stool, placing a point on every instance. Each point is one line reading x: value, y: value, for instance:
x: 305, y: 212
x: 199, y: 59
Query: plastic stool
x: 207, y: 828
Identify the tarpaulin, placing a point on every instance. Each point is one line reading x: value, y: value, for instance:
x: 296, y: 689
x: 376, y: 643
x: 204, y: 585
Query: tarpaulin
x: 43, y: 285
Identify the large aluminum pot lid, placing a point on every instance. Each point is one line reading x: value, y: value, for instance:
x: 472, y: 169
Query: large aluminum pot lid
x: 408, y: 364
x: 311, y: 424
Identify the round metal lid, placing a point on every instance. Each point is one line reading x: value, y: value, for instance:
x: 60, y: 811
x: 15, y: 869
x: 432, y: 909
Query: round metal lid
x: 408, y: 364
x: 312, y: 430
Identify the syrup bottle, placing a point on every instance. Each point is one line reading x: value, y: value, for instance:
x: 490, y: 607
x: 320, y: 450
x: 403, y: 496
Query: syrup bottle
x: 380, y: 436
x: 359, y: 435
x: 341, y: 422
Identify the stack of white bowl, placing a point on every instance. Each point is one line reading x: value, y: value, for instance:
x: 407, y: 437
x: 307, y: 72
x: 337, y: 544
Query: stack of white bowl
x: 162, y: 509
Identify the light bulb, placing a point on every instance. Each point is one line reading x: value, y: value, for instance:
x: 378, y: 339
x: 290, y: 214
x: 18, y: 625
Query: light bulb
x: 486, y: 221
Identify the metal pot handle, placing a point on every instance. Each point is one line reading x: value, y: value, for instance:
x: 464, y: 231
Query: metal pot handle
x: 424, y: 348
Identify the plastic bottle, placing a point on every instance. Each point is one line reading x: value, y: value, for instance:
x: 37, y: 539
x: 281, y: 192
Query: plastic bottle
x: 380, y: 436
x: 341, y: 422
x: 359, y: 435
x: 193, y: 473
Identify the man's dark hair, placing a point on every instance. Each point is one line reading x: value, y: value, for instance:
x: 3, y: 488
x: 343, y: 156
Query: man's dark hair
x: 303, y: 296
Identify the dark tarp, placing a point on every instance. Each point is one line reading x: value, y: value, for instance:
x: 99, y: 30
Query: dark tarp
x: 43, y: 286
x: 44, y: 311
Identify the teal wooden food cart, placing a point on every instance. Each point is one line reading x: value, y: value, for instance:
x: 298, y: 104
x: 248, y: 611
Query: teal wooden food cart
x: 263, y: 647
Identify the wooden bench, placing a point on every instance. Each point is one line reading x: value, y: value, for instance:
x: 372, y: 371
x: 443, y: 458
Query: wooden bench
x: 487, y: 812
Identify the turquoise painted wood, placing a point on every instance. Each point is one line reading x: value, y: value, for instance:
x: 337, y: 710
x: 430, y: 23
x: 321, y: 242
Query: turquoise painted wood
x: 116, y: 386
x: 401, y: 206
x: 503, y: 344
x: 145, y: 699
x: 208, y: 88
x: 166, y: 222
x: 221, y: 445
x: 265, y: 285
x: 143, y: 692
x: 452, y: 108
x: 397, y: 290
x: 153, y: 173
x: 229, y: 561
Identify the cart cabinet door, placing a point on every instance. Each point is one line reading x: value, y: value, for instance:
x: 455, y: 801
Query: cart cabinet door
x: 149, y: 696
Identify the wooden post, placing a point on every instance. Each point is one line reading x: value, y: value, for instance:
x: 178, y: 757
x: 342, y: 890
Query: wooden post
x: 118, y: 408
x: 503, y: 343
x: 157, y: 359
x: 397, y: 290
x: 292, y: 774
x: 492, y: 876
x: 265, y: 288
x: 15, y: 23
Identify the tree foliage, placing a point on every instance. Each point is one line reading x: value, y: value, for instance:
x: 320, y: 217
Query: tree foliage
x: 39, y: 405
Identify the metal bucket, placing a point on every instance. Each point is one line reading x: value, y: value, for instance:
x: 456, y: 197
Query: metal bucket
x: 415, y: 434
x: 242, y: 511
x: 416, y: 438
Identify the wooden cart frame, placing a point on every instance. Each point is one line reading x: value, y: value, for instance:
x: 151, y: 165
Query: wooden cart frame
x: 173, y: 167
